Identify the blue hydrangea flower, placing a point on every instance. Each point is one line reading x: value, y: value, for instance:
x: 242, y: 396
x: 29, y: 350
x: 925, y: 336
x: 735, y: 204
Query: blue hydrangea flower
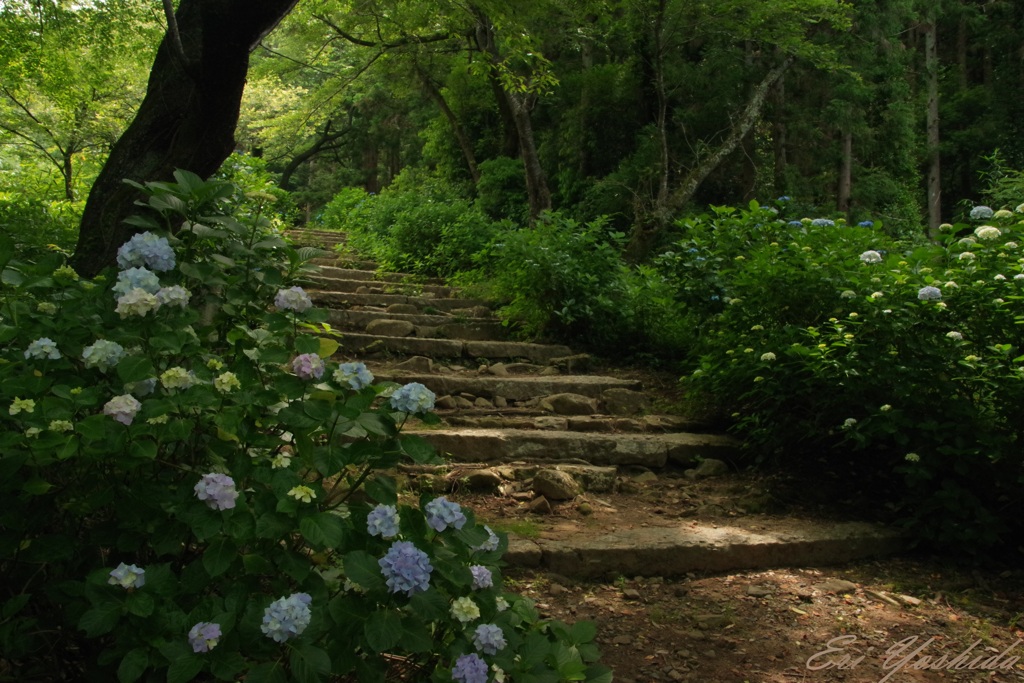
x: 470, y: 669
x: 136, y: 278
x: 482, y: 577
x: 127, y: 576
x: 42, y: 349
x: 442, y: 513
x: 795, y: 224
x: 287, y: 617
x: 491, y: 544
x: 217, y: 491
x: 383, y: 521
x: 823, y: 223
x: 981, y: 212
x: 146, y: 249
x: 489, y: 638
x: 355, y: 375
x: 293, y: 299
x: 413, y: 398
x: 203, y: 636
x: 783, y: 198
x: 929, y: 293
x: 406, y: 568
x: 866, y: 224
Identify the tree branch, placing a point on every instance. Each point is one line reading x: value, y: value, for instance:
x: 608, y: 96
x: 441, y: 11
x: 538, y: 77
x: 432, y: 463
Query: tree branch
x: 172, y: 31
x: 408, y: 40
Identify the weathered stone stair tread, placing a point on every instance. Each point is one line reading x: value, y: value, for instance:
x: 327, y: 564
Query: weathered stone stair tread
x: 517, y: 388
x: 353, y: 342
x: 649, y: 450
x: 687, y: 546
x: 327, y: 298
x: 339, y: 285
x: 374, y: 275
x: 525, y: 418
x: 346, y: 262
x: 364, y: 316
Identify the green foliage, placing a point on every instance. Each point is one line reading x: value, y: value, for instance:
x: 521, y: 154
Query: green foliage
x: 109, y: 557
x: 817, y: 349
x: 419, y: 224
x: 501, y: 190
x: 563, y: 279
x: 33, y: 224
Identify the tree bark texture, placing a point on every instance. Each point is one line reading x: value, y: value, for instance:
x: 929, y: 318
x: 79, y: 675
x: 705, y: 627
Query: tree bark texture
x: 846, y: 175
x: 465, y: 144
x: 931, y: 61
x: 186, y: 120
x: 536, y: 181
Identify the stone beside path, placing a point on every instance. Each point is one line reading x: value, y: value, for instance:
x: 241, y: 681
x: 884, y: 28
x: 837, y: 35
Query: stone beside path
x: 536, y: 407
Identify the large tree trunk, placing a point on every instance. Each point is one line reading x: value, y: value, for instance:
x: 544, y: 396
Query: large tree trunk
x: 465, y: 144
x: 846, y: 175
x: 536, y: 181
x: 187, y: 119
x: 931, y: 61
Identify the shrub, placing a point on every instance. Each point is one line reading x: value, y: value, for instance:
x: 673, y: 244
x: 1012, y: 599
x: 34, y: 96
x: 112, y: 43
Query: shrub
x: 194, y: 490
x: 828, y: 338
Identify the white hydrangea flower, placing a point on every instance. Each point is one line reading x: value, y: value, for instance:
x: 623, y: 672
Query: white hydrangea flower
x: 988, y: 232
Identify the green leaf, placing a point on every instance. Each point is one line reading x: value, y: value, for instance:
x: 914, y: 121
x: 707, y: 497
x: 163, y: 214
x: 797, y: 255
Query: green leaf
x: 100, y: 619
x: 429, y: 605
x: 383, y: 630
x: 227, y: 665
x: 322, y: 529
x: 327, y: 347
x: 135, y: 369
x: 14, y: 605
x: 309, y: 664
x: 306, y: 343
x: 599, y: 673
x: 184, y: 669
x: 382, y: 489
x: 583, y: 632
x: 266, y: 673
x: 219, y: 555
x: 133, y: 665
x: 418, y: 449
x: 36, y: 486
x: 363, y: 569
x: 144, y: 448
x: 140, y: 604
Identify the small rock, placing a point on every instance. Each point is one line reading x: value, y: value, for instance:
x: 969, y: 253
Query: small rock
x: 557, y: 589
x: 482, y: 370
x: 644, y: 477
x: 622, y: 640
x: 498, y: 370
x: 416, y: 363
x: 390, y: 328
x: 758, y: 591
x: 363, y: 289
x: 555, y: 484
x: 909, y: 600
x: 620, y: 401
x: 405, y: 309
x: 585, y: 508
x: 484, y: 480
x: 710, y: 621
x: 577, y: 363
x: 446, y: 403
x: 681, y: 591
x: 631, y: 594
x: 500, y: 402
x: 709, y: 467
x: 463, y: 403
x: 549, y: 372
x: 569, y: 404
x: 540, y: 506
x: 482, y: 402
x: 837, y: 586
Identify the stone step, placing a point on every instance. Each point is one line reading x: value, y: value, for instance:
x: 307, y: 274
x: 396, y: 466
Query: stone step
x: 372, y: 274
x: 316, y: 237
x: 654, y: 451
x: 417, y: 325
x: 346, y: 262
x: 423, y: 303
x: 330, y: 284
x: 514, y: 388
x: 357, y: 343
x: 691, y: 546
x: 524, y: 418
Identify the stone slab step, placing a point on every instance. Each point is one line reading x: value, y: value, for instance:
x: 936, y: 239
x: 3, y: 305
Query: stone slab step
x: 690, y: 546
x: 648, y: 450
x: 375, y: 275
x: 514, y: 388
x: 418, y: 325
x: 307, y: 236
x: 345, y: 262
x: 356, y: 343
x: 518, y: 418
x: 330, y: 284
x: 424, y: 303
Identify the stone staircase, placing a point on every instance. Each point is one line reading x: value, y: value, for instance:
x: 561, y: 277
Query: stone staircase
x: 510, y: 409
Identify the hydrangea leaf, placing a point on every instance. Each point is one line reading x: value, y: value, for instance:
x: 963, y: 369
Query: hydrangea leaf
x: 309, y: 664
x: 382, y: 489
x: 418, y: 449
x: 307, y: 344
x: 267, y: 673
x: 383, y: 630
x: 327, y: 347
x: 100, y: 619
x: 362, y: 569
x: 184, y: 669
x: 133, y: 665
x: 219, y: 555
x: 322, y: 529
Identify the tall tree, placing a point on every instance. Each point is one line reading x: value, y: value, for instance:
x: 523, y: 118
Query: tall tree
x: 187, y: 119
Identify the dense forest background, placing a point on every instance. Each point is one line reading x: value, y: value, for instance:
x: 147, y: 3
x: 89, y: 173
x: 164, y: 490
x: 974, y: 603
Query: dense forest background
x: 640, y: 110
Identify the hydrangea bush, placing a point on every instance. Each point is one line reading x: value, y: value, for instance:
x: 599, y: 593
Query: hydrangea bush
x: 194, y: 490
x: 825, y: 339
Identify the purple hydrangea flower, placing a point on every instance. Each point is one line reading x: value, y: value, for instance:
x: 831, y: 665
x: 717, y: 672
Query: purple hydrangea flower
x: 42, y: 349
x: 287, y: 617
x: 383, y: 521
x: 293, y: 299
x: 127, y: 576
x: 406, y: 568
x: 489, y: 638
x: 354, y: 374
x: 492, y: 542
x: 413, y: 398
x: 217, y: 491
x: 146, y: 249
x: 929, y: 293
x: 470, y: 669
x: 122, y: 408
x: 203, y: 636
x: 482, y: 577
x: 308, y: 366
x: 442, y: 513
